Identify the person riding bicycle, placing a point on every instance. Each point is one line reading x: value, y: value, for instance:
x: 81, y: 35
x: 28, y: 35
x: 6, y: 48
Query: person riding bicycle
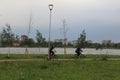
x: 52, y: 53
x: 78, y: 51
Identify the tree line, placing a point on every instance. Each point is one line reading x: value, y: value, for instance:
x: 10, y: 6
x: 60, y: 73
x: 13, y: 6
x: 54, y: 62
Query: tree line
x: 8, y: 39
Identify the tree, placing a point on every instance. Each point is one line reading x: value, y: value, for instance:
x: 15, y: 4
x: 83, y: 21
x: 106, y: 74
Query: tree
x: 39, y: 38
x: 82, y: 39
x: 7, y: 37
x: 28, y: 42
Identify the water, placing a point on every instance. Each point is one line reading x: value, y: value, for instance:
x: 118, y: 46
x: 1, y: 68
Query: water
x: 59, y: 51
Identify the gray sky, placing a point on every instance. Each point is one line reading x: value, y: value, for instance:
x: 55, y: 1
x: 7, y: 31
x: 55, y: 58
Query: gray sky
x: 100, y: 18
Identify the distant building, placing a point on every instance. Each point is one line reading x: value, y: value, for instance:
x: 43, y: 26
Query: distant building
x: 16, y: 43
x: 61, y: 40
x: 74, y: 42
x: 106, y: 42
x: 58, y: 40
x: 24, y: 37
x: 89, y: 41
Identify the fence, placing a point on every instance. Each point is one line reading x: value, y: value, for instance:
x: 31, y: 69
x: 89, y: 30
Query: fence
x: 12, y: 50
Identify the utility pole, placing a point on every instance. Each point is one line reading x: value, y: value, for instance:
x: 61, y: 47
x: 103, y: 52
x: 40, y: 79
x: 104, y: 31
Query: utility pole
x: 29, y: 28
x: 0, y: 39
x: 65, y: 39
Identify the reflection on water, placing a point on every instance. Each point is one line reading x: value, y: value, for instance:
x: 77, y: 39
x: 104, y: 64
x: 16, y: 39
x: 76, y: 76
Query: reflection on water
x: 59, y: 51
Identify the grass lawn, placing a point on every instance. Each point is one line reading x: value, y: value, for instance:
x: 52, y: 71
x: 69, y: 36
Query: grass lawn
x: 60, y: 70
x: 44, y: 56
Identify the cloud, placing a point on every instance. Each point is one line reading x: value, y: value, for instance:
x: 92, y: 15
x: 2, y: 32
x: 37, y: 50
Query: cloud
x: 93, y: 15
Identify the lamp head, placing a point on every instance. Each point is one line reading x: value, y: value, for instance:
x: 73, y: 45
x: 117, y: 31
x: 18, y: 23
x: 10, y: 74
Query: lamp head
x: 50, y: 7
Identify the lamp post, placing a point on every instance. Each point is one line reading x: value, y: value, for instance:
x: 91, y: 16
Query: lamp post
x: 0, y: 39
x: 50, y: 8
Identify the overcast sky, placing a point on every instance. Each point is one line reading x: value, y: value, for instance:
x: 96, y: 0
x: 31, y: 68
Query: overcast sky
x: 100, y: 18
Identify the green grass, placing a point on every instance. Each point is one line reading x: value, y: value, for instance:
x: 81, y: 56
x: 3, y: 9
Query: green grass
x: 67, y: 56
x: 60, y: 70
x: 22, y: 56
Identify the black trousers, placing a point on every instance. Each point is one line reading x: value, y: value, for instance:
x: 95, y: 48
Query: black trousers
x: 52, y: 53
x: 78, y: 53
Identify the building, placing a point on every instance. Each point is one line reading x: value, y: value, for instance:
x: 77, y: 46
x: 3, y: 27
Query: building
x: 106, y: 42
x: 74, y: 42
x: 58, y: 40
x: 16, y: 43
x: 61, y: 40
x: 24, y: 37
x: 89, y: 41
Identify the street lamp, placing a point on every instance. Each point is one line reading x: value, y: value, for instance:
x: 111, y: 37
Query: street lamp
x: 50, y: 8
x: 0, y: 39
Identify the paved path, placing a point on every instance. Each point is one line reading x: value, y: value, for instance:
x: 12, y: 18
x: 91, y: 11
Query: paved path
x: 13, y: 60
